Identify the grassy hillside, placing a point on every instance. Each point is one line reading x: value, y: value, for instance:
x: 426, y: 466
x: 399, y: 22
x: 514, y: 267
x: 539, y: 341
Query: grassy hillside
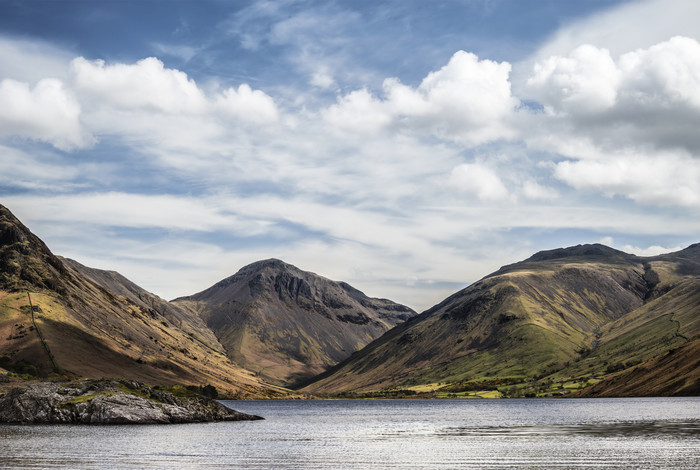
x: 89, y: 323
x: 552, y: 324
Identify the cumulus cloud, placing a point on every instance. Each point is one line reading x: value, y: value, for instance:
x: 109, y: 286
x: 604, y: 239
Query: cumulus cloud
x: 468, y: 101
x: 359, y: 112
x: 139, y: 102
x: 478, y: 180
x: 47, y: 112
x: 584, y: 82
x: 626, y: 127
x: 146, y: 84
x: 649, y: 97
x: 150, y: 86
x: 663, y: 76
x: 247, y: 104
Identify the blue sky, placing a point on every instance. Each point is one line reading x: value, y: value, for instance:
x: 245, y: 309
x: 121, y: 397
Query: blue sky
x: 406, y: 147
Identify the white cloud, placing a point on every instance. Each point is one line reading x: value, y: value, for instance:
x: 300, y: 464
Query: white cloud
x: 659, y: 179
x: 247, y: 104
x: 47, y: 112
x: 467, y: 101
x: 653, y: 250
x: 627, y: 27
x: 478, y: 180
x: 663, y: 80
x: 146, y: 84
x: 628, y: 127
x: 35, y: 171
x: 534, y: 190
x: 358, y: 112
x: 584, y: 82
x: 134, y: 211
x: 322, y: 79
x: 665, y: 75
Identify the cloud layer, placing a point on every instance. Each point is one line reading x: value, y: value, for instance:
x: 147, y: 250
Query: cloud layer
x: 409, y: 187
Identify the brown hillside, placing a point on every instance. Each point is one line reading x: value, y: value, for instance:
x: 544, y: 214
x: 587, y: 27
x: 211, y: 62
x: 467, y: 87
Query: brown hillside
x: 287, y: 324
x: 97, y: 324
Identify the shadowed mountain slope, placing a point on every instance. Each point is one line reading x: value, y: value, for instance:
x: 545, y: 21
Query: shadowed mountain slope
x: 568, y: 315
x: 676, y: 373
x: 93, y: 323
x: 287, y: 324
x: 122, y: 287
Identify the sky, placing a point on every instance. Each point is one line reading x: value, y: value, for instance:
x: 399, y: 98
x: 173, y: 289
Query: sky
x: 406, y: 147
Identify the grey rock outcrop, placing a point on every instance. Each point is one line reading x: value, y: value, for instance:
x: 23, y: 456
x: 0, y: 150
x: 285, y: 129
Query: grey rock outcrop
x: 108, y: 402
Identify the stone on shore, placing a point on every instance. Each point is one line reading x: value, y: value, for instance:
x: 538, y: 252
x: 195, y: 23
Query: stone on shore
x: 108, y: 402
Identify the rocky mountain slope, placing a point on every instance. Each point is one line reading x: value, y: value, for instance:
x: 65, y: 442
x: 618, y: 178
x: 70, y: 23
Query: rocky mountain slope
x: 556, y: 322
x: 57, y: 316
x: 287, y: 324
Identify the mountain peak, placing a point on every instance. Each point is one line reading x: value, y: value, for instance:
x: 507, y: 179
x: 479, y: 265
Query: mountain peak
x: 295, y: 322
x: 272, y: 263
x: 25, y: 261
x: 594, y: 250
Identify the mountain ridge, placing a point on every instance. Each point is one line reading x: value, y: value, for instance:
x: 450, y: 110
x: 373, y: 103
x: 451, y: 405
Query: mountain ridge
x: 587, y: 320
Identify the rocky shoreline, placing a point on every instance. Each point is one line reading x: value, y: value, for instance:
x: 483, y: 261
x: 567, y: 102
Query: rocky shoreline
x: 108, y: 402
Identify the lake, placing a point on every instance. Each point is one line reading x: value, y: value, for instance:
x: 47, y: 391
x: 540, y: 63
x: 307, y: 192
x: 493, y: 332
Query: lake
x: 649, y: 433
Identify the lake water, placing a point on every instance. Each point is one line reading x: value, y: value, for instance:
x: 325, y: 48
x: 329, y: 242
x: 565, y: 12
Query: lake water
x: 649, y: 433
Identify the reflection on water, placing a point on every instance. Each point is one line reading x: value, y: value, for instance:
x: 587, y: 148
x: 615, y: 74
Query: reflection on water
x: 631, y: 429
x: 432, y: 434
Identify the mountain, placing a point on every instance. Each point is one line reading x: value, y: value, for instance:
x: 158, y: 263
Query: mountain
x: 287, y: 324
x: 585, y: 320
x: 57, y: 316
x: 557, y: 322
